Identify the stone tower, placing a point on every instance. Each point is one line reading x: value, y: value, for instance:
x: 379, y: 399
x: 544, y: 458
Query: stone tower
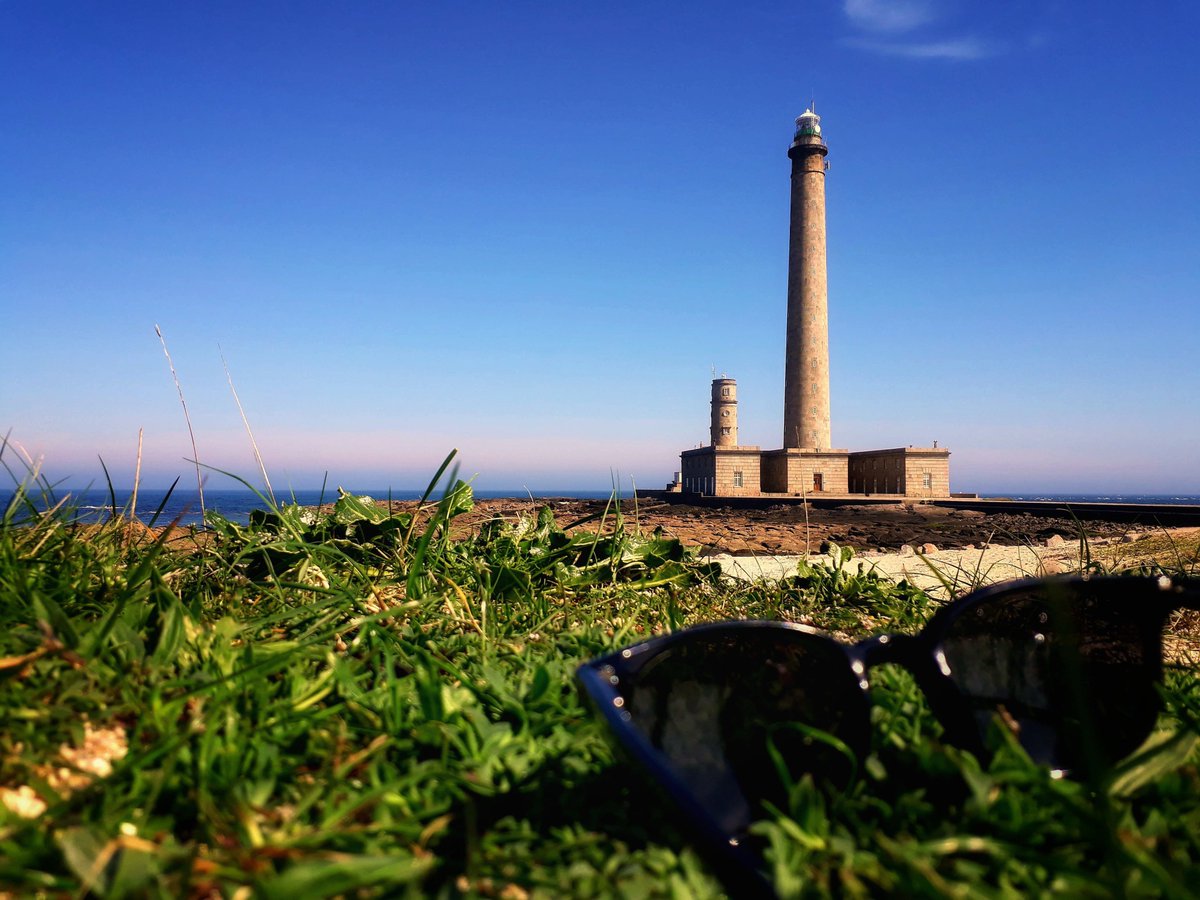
x: 723, y: 429
x: 806, y: 368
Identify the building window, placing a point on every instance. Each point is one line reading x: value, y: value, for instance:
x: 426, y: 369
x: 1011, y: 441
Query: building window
x: 738, y: 480
x: 927, y: 480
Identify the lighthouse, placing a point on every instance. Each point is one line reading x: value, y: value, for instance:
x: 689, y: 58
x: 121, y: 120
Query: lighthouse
x: 807, y: 466
x: 806, y: 365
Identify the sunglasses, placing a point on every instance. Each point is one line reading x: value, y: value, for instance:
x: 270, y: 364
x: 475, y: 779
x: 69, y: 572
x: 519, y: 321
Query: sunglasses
x: 726, y: 716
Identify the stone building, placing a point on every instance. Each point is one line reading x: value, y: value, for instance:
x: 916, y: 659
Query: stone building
x: 807, y: 464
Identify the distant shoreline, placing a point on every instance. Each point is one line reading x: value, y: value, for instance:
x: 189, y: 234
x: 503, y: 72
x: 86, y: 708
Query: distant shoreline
x: 236, y: 503
x: 1172, y: 497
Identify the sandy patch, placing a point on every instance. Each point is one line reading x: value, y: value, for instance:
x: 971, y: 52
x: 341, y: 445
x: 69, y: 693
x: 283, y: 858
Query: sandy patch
x: 960, y: 569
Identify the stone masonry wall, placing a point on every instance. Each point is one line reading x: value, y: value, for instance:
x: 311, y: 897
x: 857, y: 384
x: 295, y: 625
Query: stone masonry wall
x: 927, y: 475
x: 737, y: 465
x: 793, y: 471
x: 911, y: 471
x: 774, y: 473
x: 698, y: 470
x: 717, y: 471
x: 877, y: 472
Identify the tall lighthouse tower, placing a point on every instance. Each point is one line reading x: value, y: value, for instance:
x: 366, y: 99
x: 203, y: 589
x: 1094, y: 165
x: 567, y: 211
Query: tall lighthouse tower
x: 806, y: 368
x: 806, y: 466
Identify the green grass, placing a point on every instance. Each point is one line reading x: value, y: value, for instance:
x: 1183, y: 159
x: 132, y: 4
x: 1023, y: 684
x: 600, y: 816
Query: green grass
x: 353, y: 703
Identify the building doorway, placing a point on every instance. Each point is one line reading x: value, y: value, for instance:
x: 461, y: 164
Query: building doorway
x: 818, y: 482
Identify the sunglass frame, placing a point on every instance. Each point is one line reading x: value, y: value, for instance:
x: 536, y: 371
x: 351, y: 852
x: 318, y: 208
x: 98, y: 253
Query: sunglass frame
x: 600, y: 679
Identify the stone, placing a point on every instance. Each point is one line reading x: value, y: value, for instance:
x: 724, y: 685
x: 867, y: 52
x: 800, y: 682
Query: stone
x: 969, y: 547
x: 1053, y: 567
x: 907, y: 550
x: 1055, y: 540
x: 927, y: 549
x: 1128, y: 538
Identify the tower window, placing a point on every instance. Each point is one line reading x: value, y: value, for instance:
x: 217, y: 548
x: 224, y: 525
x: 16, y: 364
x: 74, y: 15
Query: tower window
x: 724, y: 432
x: 724, y: 414
x: 725, y: 392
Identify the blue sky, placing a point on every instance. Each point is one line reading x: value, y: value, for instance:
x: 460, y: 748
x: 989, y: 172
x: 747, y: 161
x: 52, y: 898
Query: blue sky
x: 530, y: 230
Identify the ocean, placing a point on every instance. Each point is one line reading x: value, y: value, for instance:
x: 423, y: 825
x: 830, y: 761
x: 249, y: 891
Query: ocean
x: 236, y: 505
x: 1153, y: 499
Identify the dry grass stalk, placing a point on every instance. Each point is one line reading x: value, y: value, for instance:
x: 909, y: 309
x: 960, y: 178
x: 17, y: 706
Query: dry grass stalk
x: 253, y: 444
x: 187, y: 418
x: 137, y: 479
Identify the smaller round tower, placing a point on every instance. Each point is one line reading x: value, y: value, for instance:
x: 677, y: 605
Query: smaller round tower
x: 723, y: 429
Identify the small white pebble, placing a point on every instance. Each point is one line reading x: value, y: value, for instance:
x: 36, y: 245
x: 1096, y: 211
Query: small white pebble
x: 23, y: 802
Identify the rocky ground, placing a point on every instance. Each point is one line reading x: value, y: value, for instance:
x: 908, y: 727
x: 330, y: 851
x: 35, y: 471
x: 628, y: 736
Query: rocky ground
x: 787, y: 530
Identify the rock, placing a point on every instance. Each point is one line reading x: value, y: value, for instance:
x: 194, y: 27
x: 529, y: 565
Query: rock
x: 1053, y: 567
x: 907, y: 550
x: 969, y: 547
x: 1128, y: 538
x: 1055, y: 540
x: 927, y: 549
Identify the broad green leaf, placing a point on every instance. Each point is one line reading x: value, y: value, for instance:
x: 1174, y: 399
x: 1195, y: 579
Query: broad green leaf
x: 350, y: 509
x: 342, y: 874
x: 1162, y: 752
x: 89, y: 855
x: 459, y: 499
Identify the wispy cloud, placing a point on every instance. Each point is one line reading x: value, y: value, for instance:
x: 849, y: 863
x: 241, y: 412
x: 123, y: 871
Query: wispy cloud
x: 891, y: 16
x: 909, y: 29
x: 961, y: 49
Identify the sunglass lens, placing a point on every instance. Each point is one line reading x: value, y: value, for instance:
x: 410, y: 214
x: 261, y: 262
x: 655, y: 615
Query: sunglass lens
x: 741, y: 713
x: 1071, y: 669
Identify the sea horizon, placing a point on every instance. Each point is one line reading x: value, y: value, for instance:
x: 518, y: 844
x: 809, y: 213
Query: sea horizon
x: 236, y: 504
